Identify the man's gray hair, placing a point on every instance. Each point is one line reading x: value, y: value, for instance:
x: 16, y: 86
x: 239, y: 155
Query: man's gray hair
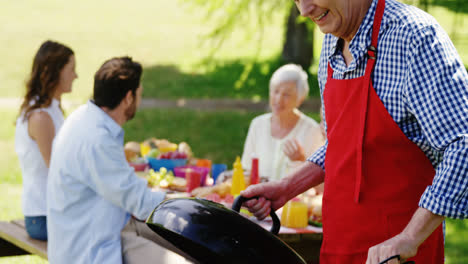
x: 291, y: 73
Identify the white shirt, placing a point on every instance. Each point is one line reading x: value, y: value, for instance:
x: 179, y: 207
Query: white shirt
x: 33, y: 166
x: 92, y: 190
x: 273, y: 163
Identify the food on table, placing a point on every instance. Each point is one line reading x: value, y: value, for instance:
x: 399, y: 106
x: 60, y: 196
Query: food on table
x: 165, y: 179
x: 165, y: 146
x: 178, y: 184
x: 222, y: 189
x: 132, y: 150
x: 173, y: 155
x: 185, y: 148
x: 157, y: 148
x: 144, y: 149
x: 153, y: 153
x: 151, y: 142
x: 315, y: 217
x: 315, y: 210
x: 138, y: 160
x: 161, y: 178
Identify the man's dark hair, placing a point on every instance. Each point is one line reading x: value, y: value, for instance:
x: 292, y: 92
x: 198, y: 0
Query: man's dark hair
x: 114, y: 79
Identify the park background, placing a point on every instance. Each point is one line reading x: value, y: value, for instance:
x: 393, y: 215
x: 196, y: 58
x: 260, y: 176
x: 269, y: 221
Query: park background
x: 190, y: 49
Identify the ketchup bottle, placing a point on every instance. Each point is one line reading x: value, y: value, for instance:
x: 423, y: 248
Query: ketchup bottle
x: 254, y: 179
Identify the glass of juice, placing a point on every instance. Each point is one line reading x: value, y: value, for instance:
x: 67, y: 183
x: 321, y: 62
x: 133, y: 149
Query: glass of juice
x: 294, y: 214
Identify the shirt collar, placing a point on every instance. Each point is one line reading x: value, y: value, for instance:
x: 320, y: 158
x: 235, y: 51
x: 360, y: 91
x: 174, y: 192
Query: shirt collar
x: 106, y: 121
x: 362, y: 39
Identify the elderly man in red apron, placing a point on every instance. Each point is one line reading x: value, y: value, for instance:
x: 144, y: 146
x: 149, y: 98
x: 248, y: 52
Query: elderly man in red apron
x: 395, y: 96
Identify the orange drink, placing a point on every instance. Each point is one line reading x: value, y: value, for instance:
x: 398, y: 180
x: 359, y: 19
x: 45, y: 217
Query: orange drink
x: 294, y: 214
x: 206, y: 163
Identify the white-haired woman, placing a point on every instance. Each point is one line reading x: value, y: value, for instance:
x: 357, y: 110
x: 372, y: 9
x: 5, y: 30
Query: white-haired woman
x: 285, y: 137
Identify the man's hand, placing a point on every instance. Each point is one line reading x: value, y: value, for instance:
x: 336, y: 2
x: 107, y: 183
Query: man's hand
x: 397, y: 245
x: 272, y: 194
x: 294, y: 150
x: 406, y: 244
x: 275, y: 194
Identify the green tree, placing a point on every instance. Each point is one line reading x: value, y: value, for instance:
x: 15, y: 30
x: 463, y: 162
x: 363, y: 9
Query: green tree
x: 229, y: 15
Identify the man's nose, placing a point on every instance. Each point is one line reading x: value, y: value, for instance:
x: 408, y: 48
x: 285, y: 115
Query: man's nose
x: 306, y: 7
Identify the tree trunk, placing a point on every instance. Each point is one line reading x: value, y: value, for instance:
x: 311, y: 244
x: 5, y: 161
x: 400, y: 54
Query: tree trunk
x: 298, y: 45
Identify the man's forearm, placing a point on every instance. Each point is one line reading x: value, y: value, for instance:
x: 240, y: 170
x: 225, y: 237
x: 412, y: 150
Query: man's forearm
x: 303, y: 178
x: 421, y: 225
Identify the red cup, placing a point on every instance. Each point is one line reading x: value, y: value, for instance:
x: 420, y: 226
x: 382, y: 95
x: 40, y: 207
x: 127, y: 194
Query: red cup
x: 193, y: 179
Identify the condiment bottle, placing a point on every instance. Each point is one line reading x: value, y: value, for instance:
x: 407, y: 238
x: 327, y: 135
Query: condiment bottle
x: 254, y: 179
x: 238, y: 182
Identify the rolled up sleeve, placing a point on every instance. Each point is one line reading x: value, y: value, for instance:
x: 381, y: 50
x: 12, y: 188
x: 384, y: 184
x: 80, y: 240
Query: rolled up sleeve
x: 448, y: 194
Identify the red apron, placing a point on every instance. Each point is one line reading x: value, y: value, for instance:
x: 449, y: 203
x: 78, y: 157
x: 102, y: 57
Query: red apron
x: 375, y: 175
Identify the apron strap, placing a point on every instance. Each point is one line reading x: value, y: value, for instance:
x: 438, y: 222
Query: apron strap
x: 372, y: 57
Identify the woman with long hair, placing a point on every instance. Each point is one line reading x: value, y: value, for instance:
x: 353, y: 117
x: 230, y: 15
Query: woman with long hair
x: 40, y: 117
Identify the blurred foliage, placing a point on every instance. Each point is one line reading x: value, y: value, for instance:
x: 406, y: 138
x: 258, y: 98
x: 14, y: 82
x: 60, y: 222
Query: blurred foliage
x: 454, y: 5
x: 456, y: 241
x: 253, y: 17
x: 227, y: 16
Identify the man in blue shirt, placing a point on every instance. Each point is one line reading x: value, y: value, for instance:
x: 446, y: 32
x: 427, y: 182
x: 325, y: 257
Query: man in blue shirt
x: 92, y: 191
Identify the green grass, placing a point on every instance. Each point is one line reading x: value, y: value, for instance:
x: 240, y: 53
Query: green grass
x: 9, y: 165
x: 221, y: 79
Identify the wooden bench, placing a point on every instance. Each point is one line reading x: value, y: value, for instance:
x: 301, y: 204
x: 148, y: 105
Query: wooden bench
x: 15, y: 241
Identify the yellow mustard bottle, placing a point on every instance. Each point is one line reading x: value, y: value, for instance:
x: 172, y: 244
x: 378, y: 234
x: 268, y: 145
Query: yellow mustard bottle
x: 238, y: 181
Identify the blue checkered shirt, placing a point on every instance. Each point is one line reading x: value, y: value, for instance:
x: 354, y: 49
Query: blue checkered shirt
x: 423, y: 84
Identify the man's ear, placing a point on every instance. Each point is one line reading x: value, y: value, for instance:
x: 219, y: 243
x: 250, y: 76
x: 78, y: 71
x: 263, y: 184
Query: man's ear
x: 129, y: 98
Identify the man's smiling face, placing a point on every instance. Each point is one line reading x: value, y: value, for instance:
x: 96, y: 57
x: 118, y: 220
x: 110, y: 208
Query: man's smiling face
x: 340, y: 18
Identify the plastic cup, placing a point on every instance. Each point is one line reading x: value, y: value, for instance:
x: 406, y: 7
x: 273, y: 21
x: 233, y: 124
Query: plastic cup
x: 193, y: 179
x: 206, y: 163
x: 217, y: 169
